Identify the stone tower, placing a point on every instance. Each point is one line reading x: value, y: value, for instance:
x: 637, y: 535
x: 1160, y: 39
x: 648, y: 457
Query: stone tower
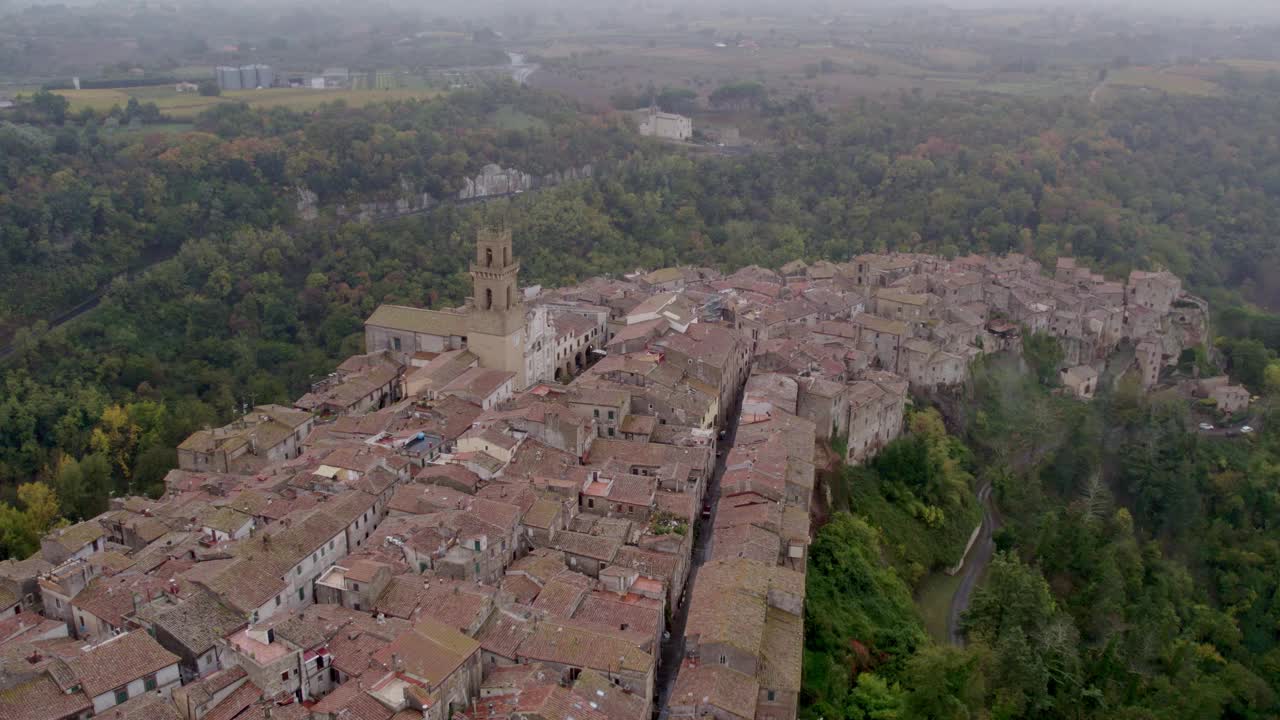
x: 494, y: 272
x: 496, y: 327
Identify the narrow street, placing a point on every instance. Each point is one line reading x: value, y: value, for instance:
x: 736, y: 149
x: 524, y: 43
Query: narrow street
x: 673, y: 648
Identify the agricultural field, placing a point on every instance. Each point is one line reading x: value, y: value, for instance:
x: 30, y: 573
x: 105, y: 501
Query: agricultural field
x: 185, y: 106
x: 1260, y: 67
x: 1172, y: 80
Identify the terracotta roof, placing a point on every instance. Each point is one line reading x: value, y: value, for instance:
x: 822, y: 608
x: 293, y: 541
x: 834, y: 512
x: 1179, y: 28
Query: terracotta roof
x: 77, y: 536
x: 41, y: 699
x: 119, y: 661
x: 782, y: 652
x: 578, y: 647
x: 552, y: 702
x: 198, y: 622
x: 559, y: 598
x: 149, y: 706
x: 589, y: 546
x: 350, y: 702
x: 202, y: 691
x: 503, y: 633
x: 717, y: 686
x: 232, y: 705
x: 418, y: 320
x: 521, y: 588
x: 615, y: 703
x: 431, y: 651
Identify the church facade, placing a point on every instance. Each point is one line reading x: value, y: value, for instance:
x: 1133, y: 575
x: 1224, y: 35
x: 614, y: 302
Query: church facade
x: 495, y: 323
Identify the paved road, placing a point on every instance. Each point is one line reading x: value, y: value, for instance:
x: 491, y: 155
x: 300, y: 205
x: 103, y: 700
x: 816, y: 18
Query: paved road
x: 1233, y: 430
x: 673, y: 649
x: 521, y: 70
x: 975, y: 565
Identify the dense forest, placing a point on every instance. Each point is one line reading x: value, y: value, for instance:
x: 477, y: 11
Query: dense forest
x: 1136, y: 577
x: 1135, y: 574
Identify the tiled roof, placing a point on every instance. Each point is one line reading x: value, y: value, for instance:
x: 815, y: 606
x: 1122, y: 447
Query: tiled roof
x: 782, y: 653
x: 577, y: 647
x: 41, y: 699
x: 431, y: 651
x: 119, y: 661
x: 149, y: 706
x: 417, y: 320
x: 559, y: 598
x: 198, y: 622
x: 615, y: 703
x: 77, y: 536
x: 521, y: 588
x: 589, y: 546
x: 503, y: 633
x: 716, y: 686
x: 552, y: 702
x: 232, y: 705
x: 203, y: 690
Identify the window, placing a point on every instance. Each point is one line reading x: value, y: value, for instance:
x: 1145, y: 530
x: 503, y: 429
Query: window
x: 355, y: 586
x: 302, y: 593
x: 610, y: 414
x: 330, y: 544
x: 724, y: 660
x: 597, y: 413
x: 277, y: 601
x: 122, y: 695
x: 149, y: 683
x: 477, y: 544
x: 772, y: 695
x: 298, y: 570
x: 284, y: 675
x: 610, y: 432
x: 395, y: 343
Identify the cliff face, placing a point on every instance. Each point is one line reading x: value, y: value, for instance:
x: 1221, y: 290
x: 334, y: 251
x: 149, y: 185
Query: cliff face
x: 492, y: 181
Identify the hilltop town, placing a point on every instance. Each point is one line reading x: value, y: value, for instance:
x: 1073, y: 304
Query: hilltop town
x: 588, y: 502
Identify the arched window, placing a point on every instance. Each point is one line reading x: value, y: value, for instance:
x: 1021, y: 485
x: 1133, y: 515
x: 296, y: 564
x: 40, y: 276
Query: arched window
x: 488, y: 257
x: 488, y: 298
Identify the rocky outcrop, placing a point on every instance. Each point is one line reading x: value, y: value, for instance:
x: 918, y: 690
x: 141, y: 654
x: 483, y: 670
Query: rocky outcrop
x: 370, y: 211
x: 308, y: 204
x: 492, y: 181
x: 495, y: 180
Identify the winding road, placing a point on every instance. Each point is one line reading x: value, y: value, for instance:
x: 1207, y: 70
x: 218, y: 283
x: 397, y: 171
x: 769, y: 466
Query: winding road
x: 976, y: 564
x: 521, y: 70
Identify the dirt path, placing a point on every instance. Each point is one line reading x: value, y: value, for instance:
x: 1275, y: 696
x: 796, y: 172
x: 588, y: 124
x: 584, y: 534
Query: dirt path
x: 975, y: 566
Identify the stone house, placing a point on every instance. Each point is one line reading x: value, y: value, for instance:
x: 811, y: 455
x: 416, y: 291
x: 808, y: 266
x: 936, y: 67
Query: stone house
x: 269, y: 433
x: 125, y: 666
x: 1231, y: 399
x: 1080, y: 381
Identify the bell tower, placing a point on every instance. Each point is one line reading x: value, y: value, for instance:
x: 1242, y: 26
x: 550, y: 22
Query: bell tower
x: 494, y: 272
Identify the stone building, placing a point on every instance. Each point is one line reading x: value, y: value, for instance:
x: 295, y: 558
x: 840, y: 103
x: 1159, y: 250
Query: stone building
x: 668, y: 126
x: 495, y: 324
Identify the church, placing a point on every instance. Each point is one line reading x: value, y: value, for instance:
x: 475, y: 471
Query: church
x: 494, y: 323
